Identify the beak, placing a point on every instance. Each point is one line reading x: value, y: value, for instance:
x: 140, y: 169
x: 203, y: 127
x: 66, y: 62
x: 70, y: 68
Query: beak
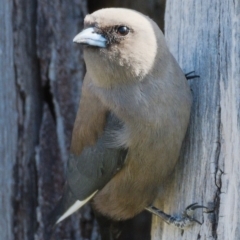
x: 90, y: 37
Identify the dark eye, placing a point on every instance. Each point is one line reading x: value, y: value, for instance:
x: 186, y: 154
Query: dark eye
x: 122, y: 30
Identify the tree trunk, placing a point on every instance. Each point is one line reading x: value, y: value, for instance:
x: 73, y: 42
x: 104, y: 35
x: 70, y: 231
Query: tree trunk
x: 204, y: 36
x: 40, y: 79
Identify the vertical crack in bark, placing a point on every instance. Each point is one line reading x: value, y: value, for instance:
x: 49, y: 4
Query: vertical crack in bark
x: 17, y: 168
x: 48, y: 99
x: 218, y: 171
x: 55, y: 106
x: 27, y: 81
x: 218, y: 183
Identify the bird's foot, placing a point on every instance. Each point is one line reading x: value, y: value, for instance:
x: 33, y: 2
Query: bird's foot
x: 181, y: 222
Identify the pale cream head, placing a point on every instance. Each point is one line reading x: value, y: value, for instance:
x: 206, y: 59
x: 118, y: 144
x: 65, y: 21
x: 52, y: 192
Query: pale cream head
x: 131, y: 56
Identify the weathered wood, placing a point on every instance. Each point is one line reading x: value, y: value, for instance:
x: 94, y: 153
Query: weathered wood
x: 204, y: 36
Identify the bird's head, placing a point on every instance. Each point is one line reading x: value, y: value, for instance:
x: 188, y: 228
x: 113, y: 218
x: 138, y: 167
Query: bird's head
x: 120, y: 42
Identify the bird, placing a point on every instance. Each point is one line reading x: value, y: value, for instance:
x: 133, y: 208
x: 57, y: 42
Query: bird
x: 132, y: 119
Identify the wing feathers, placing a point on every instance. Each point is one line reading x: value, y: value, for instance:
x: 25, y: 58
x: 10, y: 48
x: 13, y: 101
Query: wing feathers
x: 90, y: 120
x: 78, y: 204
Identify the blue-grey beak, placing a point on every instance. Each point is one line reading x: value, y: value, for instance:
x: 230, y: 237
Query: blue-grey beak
x: 90, y: 37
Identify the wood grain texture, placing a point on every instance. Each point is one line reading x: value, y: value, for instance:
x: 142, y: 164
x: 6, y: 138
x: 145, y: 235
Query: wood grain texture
x: 204, y: 36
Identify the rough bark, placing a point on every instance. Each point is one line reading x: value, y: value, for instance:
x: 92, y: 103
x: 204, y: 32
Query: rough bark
x: 40, y: 79
x: 8, y: 119
x: 204, y: 36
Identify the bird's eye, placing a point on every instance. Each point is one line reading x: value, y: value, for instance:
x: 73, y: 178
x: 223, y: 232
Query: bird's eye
x: 122, y: 30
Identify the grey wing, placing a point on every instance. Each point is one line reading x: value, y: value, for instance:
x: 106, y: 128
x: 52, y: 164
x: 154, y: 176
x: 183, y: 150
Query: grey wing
x: 97, y: 164
x: 89, y: 172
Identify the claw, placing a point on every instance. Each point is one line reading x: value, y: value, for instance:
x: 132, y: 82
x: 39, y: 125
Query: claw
x: 209, y: 210
x: 191, y: 77
x: 188, y: 77
x: 181, y: 222
x: 189, y: 73
x: 195, y: 206
x: 191, y: 205
x: 195, y: 220
x: 199, y: 206
x: 189, y: 211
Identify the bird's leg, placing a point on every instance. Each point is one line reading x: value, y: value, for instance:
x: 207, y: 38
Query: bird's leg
x: 181, y: 222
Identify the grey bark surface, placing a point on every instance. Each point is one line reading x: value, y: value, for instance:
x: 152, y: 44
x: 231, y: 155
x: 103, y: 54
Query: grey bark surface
x: 40, y: 80
x: 8, y: 146
x: 204, y: 36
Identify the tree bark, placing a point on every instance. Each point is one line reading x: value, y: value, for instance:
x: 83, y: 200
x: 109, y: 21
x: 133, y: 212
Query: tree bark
x: 40, y: 79
x: 8, y: 119
x: 204, y: 36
